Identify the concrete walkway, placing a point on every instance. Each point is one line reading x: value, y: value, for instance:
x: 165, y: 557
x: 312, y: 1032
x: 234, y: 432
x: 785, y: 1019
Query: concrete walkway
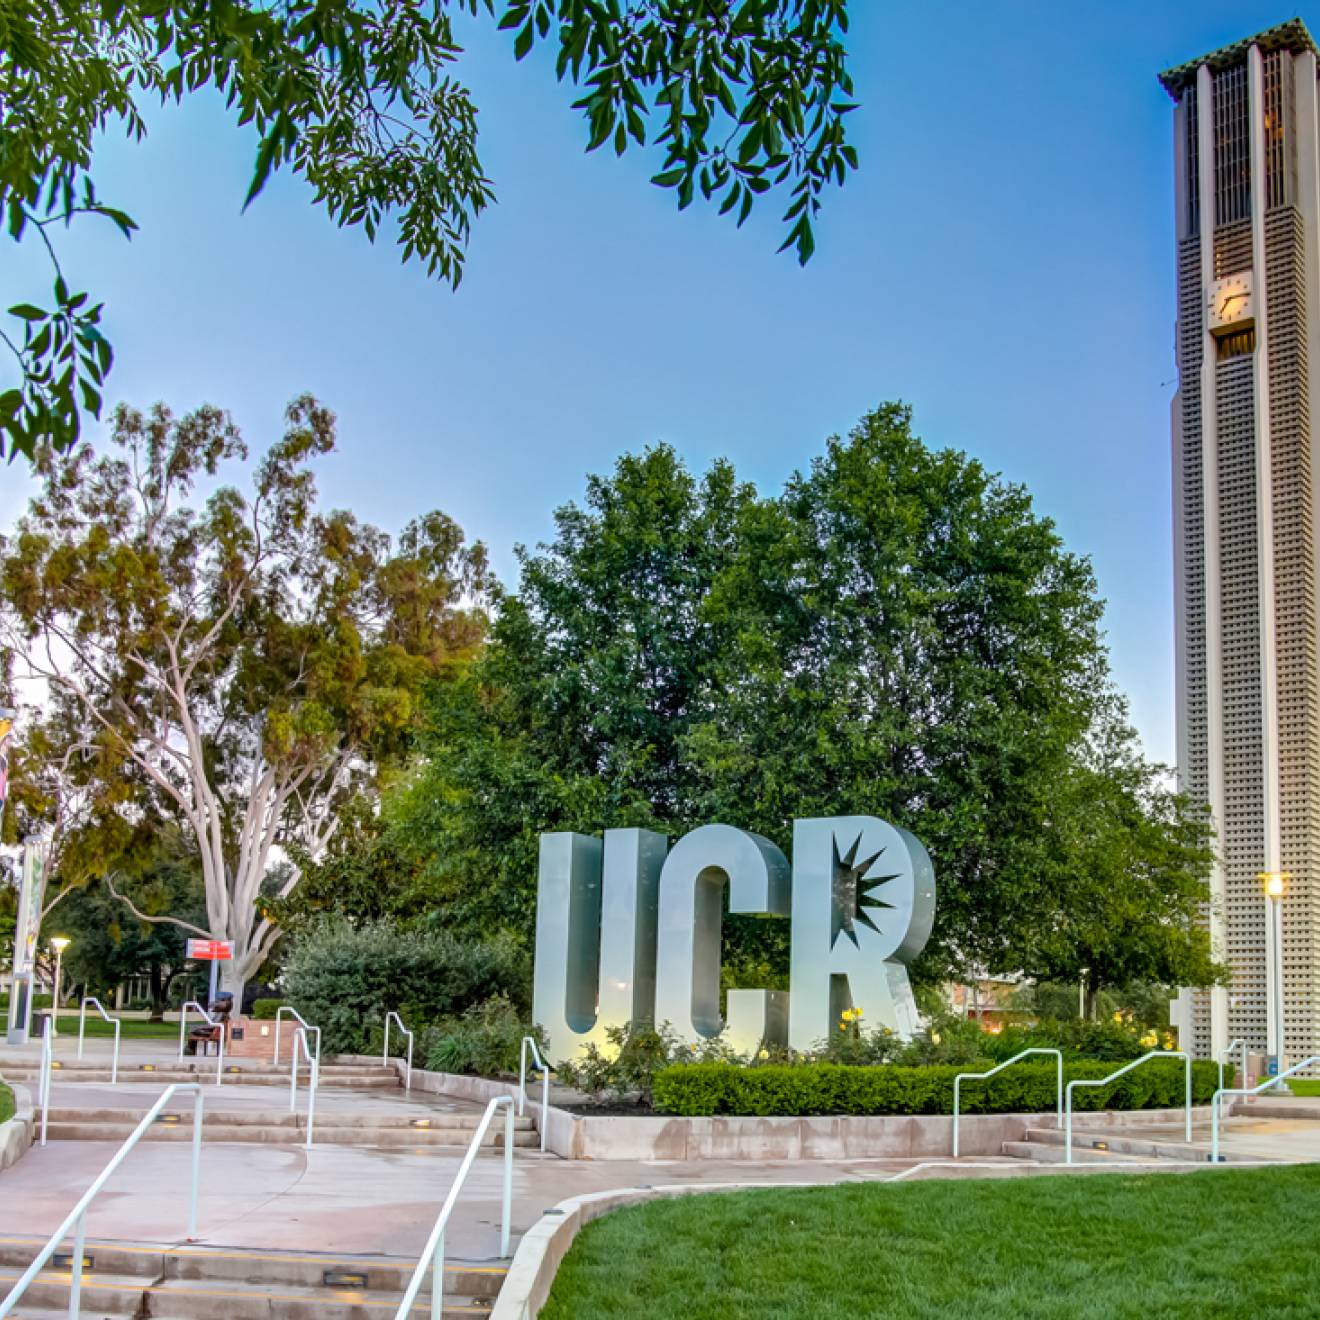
x: 347, y: 1199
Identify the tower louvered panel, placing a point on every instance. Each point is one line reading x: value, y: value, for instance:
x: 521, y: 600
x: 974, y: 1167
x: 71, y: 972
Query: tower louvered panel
x: 1249, y: 673
x: 1295, y: 621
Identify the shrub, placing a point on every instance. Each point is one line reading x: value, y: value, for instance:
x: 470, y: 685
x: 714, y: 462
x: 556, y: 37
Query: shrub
x: 485, y: 1042
x: 634, y: 1056
x: 265, y: 1009
x: 1109, y: 1038
x: 703, y: 1089
x: 344, y: 979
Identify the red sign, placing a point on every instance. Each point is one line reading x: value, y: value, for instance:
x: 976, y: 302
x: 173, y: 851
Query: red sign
x: 211, y: 950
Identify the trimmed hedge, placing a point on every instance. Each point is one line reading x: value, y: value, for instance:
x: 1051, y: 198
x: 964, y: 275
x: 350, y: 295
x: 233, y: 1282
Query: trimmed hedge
x: 265, y: 1010
x: 703, y: 1089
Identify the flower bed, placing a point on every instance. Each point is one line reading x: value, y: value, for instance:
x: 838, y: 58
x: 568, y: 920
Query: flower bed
x: 705, y: 1089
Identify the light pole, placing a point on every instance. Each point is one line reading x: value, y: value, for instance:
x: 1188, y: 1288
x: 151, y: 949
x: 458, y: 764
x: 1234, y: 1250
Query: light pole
x: 1275, y: 884
x: 59, y: 943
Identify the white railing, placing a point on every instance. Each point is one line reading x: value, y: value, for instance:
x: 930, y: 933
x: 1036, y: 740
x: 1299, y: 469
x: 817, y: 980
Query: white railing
x: 385, y: 1053
x: 43, y: 1080
x: 433, y: 1254
x: 82, y: 1024
x: 1127, y: 1068
x: 313, y: 1078
x: 300, y: 1035
x: 210, y: 1022
x: 1035, y: 1049
x: 306, y: 1026
x: 1237, y: 1044
x: 545, y: 1083
x: 1245, y: 1090
x: 77, y: 1217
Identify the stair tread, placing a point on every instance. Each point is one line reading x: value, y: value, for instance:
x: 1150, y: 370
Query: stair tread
x: 179, y: 1290
x: 202, y: 1253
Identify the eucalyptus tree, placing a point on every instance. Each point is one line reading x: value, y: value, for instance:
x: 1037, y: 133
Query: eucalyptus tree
x: 362, y: 99
x: 249, y: 663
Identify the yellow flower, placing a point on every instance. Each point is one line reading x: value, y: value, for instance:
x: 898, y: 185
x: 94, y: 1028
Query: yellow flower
x: 843, y: 1026
x: 1150, y: 1040
x: 764, y: 1054
x: 1118, y: 1017
x: 934, y: 1037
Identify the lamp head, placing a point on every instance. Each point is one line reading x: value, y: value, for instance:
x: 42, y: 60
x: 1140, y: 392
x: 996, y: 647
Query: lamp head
x: 1275, y: 882
x: 60, y: 942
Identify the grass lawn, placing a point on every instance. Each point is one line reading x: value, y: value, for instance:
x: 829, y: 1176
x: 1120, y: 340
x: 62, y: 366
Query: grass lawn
x: 1304, y: 1086
x: 1218, y: 1243
x: 131, y: 1028
x: 6, y: 1103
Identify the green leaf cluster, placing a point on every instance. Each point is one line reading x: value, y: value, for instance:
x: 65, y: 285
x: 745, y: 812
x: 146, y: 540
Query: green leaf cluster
x: 361, y: 100
x: 707, y: 1089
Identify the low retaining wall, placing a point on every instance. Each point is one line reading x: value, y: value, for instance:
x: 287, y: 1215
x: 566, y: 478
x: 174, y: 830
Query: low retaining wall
x: 575, y: 1136
x: 16, y: 1134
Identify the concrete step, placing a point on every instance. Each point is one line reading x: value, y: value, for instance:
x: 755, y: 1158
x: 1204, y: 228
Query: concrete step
x: 1264, y: 1107
x: 226, y: 1118
x: 325, y: 1134
x: 347, y: 1080
x: 127, y: 1297
x: 1047, y: 1153
x: 1130, y: 1142
x: 323, y: 1272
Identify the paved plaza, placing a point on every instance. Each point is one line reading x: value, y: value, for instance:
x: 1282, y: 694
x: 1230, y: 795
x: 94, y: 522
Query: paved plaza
x: 338, y: 1197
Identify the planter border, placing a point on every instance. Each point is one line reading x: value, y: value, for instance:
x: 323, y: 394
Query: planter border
x: 16, y: 1133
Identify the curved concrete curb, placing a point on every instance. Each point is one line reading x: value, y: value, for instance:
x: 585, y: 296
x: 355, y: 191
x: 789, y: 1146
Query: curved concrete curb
x: 16, y: 1134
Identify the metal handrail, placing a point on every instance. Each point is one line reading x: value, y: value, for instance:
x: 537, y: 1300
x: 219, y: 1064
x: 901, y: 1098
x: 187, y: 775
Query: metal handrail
x: 1127, y: 1068
x: 306, y: 1026
x: 82, y: 1023
x: 77, y: 1217
x: 1035, y: 1049
x: 43, y: 1081
x: 433, y: 1254
x: 313, y: 1079
x: 1239, y: 1043
x: 545, y: 1082
x: 210, y: 1022
x: 385, y: 1053
x: 1245, y: 1090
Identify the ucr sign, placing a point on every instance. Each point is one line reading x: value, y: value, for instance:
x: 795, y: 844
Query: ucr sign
x: 628, y: 929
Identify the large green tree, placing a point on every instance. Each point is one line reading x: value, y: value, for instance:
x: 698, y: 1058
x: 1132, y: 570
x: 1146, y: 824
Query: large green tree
x: 362, y: 100
x: 897, y: 633
x: 248, y: 664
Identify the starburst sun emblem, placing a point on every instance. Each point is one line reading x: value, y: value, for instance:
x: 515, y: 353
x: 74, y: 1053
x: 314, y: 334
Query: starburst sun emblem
x: 854, y: 892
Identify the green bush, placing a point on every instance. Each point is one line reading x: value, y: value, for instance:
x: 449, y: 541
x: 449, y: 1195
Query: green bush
x: 635, y: 1055
x: 264, y: 1010
x: 38, y: 1002
x: 1079, y: 1039
x: 701, y: 1089
x: 485, y: 1042
x: 344, y: 979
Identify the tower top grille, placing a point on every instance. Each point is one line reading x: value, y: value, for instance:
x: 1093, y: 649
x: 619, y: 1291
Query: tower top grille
x: 1292, y: 35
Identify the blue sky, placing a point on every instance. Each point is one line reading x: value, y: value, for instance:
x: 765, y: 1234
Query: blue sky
x: 1003, y: 261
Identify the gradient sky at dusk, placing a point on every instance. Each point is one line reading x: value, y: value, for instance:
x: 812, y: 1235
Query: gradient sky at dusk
x: 1003, y: 261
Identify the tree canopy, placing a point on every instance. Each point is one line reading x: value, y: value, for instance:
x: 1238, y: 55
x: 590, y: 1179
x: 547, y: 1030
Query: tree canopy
x: 242, y: 668
x: 897, y: 633
x: 363, y: 100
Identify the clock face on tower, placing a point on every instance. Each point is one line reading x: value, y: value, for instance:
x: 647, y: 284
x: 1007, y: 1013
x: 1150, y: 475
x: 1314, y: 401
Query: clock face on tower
x: 1230, y: 304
